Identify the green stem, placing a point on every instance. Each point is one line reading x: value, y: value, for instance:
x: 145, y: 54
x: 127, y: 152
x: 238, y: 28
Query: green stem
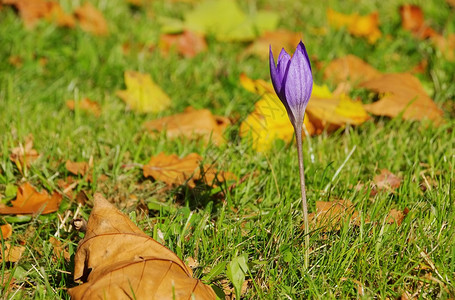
x: 298, y: 136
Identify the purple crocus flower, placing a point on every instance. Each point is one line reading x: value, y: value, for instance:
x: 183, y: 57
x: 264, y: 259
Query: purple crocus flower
x: 292, y: 81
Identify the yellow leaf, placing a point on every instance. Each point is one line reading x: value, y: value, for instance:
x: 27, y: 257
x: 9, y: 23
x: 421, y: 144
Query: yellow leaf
x: 361, y: 26
x: 142, y: 94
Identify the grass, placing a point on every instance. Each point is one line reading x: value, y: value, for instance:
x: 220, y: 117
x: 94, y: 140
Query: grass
x: 261, y: 217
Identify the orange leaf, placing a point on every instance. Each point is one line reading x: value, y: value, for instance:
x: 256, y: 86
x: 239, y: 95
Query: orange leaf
x: 122, y: 261
x: 171, y: 169
x: 403, y: 94
x: 277, y: 39
x: 59, y: 249
x: 187, y: 43
x: 330, y: 215
x: 12, y: 253
x: 91, y: 19
x: 30, y: 201
x: 85, y: 104
x: 192, y: 124
x: 77, y: 168
x: 350, y: 69
x: 24, y: 155
x: 7, y: 230
x: 32, y: 11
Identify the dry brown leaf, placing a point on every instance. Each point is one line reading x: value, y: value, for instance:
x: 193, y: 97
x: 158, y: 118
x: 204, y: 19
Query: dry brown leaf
x: 59, y: 249
x: 77, y: 168
x: 192, y: 124
x: 403, y: 94
x: 187, y: 43
x: 171, y: 169
x: 91, y: 19
x: 386, y: 181
x: 330, y: 215
x: 16, y: 61
x: 85, y: 104
x: 350, y: 69
x: 212, y: 176
x: 6, y: 230
x: 12, y: 253
x: 396, y: 216
x: 30, y: 201
x: 24, y: 155
x: 412, y: 19
x: 117, y: 260
x: 277, y: 39
x: 32, y: 11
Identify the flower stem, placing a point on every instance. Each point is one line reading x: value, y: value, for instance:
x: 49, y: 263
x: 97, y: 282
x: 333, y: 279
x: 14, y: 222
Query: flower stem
x: 298, y: 136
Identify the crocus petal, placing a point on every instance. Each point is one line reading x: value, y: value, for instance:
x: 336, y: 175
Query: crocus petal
x: 298, y: 83
x: 274, y: 75
x: 283, y: 64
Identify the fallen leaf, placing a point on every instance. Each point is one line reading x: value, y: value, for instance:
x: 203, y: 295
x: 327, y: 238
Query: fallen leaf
x: 117, y: 260
x: 171, y: 169
x: 396, y: 216
x: 188, y: 43
x: 386, y: 181
x: 403, y: 94
x: 6, y: 230
x: 91, y: 19
x: 357, y: 25
x: 191, y: 124
x: 142, y: 94
x: 350, y: 69
x: 16, y: 61
x: 412, y: 19
x: 225, y: 20
x: 85, y: 104
x: 59, y: 249
x: 30, y: 201
x: 24, y: 155
x: 277, y: 39
x: 211, y: 176
x: 330, y: 215
x: 77, y: 168
x: 12, y: 253
x: 269, y: 121
x: 33, y: 11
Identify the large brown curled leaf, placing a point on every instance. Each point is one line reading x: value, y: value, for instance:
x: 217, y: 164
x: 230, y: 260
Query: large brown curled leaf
x: 350, y: 69
x: 192, y: 123
x: 30, y: 201
x: 122, y: 262
x: 403, y: 94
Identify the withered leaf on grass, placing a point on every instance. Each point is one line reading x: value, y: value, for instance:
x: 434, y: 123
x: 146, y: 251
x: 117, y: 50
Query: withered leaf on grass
x: 77, y: 168
x: 91, y: 19
x: 191, y: 124
x: 6, y: 230
x: 117, y: 260
x: 171, y: 169
x: 386, y: 181
x: 403, y: 94
x: 350, y: 69
x: 357, y: 25
x: 142, y: 94
x: 277, y: 39
x: 32, y: 11
x: 85, y: 104
x: 187, y: 43
x: 330, y: 215
x: 12, y: 253
x: 30, y: 201
x: 24, y: 155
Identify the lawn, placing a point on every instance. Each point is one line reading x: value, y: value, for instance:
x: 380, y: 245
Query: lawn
x: 256, y: 215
